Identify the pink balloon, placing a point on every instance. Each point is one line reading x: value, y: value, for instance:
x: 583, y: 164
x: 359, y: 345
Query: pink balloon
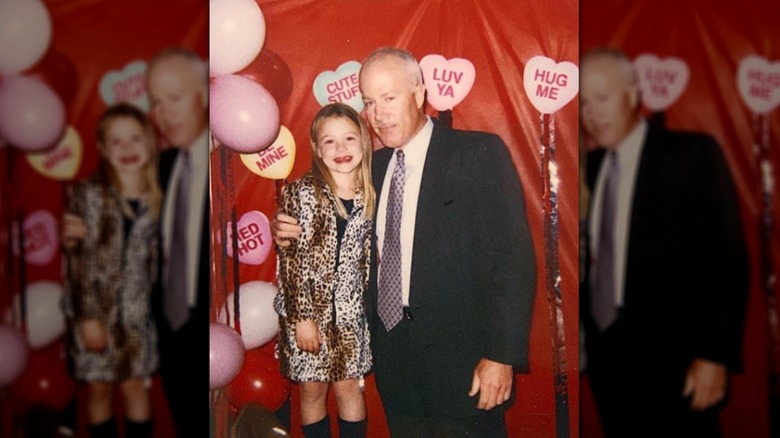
x: 259, y: 321
x: 32, y: 115
x: 13, y: 355
x: 226, y: 355
x: 243, y: 114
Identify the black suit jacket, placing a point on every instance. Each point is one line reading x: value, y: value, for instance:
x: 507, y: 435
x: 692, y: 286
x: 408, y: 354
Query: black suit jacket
x: 686, y: 279
x: 473, y: 273
x: 200, y: 312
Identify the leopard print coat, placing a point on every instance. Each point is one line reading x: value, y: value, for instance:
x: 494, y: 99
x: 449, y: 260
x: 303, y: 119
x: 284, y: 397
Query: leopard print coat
x: 110, y: 278
x: 312, y: 287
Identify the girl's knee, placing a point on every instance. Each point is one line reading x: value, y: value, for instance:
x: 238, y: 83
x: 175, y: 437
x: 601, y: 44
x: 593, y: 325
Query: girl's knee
x: 132, y: 388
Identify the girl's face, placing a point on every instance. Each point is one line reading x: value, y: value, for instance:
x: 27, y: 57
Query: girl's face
x: 339, y: 145
x: 125, y: 145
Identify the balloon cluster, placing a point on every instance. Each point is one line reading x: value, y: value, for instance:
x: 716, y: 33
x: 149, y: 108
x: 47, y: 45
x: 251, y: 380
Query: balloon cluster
x: 243, y: 113
x: 244, y: 117
x: 36, y: 82
x: 245, y: 364
x: 32, y: 361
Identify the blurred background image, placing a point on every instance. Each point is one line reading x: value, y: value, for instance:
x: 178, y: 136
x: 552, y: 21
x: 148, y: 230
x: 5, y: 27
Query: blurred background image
x: 711, y: 67
x: 62, y: 64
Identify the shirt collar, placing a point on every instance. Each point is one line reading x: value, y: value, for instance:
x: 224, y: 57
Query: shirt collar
x: 417, y: 148
x: 631, y: 146
x: 199, y: 151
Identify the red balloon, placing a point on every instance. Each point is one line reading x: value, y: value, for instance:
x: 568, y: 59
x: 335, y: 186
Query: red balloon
x: 259, y: 381
x: 268, y: 349
x: 270, y: 71
x: 45, y: 380
x: 56, y: 71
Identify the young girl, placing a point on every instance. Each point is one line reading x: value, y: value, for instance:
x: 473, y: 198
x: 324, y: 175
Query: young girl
x: 323, y: 276
x: 110, y: 275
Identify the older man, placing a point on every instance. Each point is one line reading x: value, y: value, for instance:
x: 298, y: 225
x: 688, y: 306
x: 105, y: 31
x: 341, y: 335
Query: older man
x: 450, y: 303
x: 664, y: 300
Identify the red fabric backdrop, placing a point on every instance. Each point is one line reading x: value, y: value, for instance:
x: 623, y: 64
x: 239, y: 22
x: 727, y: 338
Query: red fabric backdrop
x: 498, y: 37
x: 712, y: 38
x: 93, y: 38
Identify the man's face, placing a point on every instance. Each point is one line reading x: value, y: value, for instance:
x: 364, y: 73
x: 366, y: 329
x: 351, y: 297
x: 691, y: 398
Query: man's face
x: 607, y: 101
x: 392, y: 102
x: 178, y: 101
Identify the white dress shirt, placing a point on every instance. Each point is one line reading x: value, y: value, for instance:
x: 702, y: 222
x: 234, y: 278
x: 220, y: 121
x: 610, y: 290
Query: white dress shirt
x: 629, y: 151
x: 199, y: 156
x: 414, y: 160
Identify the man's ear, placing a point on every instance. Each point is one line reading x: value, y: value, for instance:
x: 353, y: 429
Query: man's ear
x: 634, y: 96
x: 419, y: 95
x: 204, y: 95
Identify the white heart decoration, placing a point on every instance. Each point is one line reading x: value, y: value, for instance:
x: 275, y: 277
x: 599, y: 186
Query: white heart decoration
x: 758, y: 81
x: 339, y: 86
x: 550, y: 85
x: 447, y: 82
x: 662, y: 80
x: 126, y: 85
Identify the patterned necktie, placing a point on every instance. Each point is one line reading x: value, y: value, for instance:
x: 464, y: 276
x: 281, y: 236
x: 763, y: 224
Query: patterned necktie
x: 603, y: 304
x: 175, y: 301
x: 390, y: 306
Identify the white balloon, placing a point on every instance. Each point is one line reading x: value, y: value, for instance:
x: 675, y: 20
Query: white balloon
x: 25, y: 34
x: 259, y: 321
x: 45, y: 318
x: 236, y: 35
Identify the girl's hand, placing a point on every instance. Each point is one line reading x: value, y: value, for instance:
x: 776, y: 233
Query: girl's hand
x: 307, y: 336
x: 95, y: 337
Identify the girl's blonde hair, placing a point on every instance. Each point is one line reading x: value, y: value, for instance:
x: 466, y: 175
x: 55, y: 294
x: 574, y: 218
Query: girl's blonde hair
x: 363, y: 174
x: 106, y: 172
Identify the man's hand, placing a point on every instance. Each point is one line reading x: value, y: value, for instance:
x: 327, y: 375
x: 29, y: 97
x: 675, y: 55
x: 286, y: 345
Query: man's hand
x: 307, y: 336
x: 73, y: 230
x: 705, y: 383
x: 284, y: 228
x: 493, y: 381
x: 94, y: 333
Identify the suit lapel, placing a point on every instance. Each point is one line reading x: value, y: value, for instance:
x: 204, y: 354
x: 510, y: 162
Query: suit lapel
x: 429, y: 202
x: 642, y: 203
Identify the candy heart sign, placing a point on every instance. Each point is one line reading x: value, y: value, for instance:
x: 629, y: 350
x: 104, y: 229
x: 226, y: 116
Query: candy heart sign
x: 758, y: 81
x: 254, y: 238
x: 447, y: 82
x: 40, y: 238
x: 126, y: 85
x: 275, y: 161
x: 339, y: 86
x: 550, y: 85
x: 662, y: 80
x: 62, y: 162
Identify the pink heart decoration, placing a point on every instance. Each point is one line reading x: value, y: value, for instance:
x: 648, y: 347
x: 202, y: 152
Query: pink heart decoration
x: 661, y: 81
x: 550, y: 85
x: 40, y: 238
x: 758, y: 81
x: 447, y: 82
x: 254, y: 238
